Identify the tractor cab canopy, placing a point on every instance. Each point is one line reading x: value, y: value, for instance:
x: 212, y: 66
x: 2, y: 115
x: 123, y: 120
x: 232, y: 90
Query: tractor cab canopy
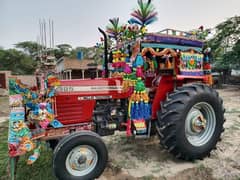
x: 173, y: 39
x: 175, y: 50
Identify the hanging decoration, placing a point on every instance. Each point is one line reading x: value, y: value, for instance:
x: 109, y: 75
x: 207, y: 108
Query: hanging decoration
x: 30, y: 108
x: 139, y: 107
x: 127, y: 62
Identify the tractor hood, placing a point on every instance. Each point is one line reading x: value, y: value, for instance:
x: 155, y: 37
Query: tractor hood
x: 99, y: 88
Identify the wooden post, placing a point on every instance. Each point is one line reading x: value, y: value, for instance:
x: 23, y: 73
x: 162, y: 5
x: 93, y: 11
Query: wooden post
x: 12, y: 167
x: 70, y: 74
x: 83, y: 73
x: 66, y: 74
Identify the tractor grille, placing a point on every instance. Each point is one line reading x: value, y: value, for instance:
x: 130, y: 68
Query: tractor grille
x: 71, y: 110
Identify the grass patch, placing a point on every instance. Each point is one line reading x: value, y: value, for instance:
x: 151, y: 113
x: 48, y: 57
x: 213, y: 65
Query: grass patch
x: 148, y: 177
x: 40, y: 170
x: 125, y: 163
x: 3, y: 151
x: 201, y: 167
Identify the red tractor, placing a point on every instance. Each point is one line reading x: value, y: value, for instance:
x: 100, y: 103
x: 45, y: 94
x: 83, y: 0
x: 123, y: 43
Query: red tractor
x: 186, y: 113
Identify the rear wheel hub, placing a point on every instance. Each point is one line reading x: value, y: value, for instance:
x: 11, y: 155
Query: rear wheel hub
x: 200, y: 124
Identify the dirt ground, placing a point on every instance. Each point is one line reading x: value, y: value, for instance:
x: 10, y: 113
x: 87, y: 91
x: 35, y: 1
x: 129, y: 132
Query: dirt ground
x: 141, y: 159
x: 4, y: 109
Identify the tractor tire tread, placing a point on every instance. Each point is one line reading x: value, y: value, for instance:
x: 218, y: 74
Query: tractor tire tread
x: 168, y: 119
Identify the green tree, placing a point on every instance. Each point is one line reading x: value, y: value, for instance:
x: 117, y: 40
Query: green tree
x: 29, y: 47
x: 225, y: 44
x: 16, y: 61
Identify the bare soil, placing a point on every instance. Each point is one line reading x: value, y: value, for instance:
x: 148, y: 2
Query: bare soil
x: 141, y: 159
x: 4, y: 108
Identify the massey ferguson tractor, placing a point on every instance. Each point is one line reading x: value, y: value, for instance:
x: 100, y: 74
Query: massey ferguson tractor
x: 163, y: 88
x: 186, y: 113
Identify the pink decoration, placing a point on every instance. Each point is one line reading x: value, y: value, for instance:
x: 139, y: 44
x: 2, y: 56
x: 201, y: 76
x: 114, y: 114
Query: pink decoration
x: 139, y: 72
x: 122, y: 64
x: 103, y: 73
x: 127, y: 69
x: 15, y: 100
x: 42, y: 105
x: 44, y: 123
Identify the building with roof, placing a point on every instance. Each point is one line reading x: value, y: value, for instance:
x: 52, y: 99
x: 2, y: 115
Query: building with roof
x: 68, y: 68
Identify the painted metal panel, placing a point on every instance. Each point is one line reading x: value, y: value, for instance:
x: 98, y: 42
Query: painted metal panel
x: 71, y: 110
x: 171, y: 46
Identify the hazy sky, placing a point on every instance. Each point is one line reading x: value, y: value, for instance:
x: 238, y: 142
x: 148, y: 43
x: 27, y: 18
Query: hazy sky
x: 76, y: 21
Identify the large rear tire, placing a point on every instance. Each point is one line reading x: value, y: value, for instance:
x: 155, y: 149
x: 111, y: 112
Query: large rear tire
x: 81, y: 155
x: 190, y: 121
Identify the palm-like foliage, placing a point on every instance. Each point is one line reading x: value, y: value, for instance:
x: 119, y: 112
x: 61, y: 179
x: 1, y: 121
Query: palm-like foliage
x: 114, y: 29
x: 145, y: 14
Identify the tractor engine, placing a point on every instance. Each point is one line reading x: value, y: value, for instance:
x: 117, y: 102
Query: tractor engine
x: 110, y: 115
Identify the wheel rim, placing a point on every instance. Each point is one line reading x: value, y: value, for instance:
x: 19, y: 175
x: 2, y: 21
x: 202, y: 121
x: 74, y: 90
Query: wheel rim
x: 200, y: 124
x: 81, y: 160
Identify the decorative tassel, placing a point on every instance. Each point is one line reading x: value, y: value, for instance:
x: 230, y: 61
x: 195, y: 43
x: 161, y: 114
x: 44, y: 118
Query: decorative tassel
x: 35, y: 156
x: 139, y: 60
x: 133, y: 111
x: 127, y: 69
x: 144, y: 96
x: 137, y: 115
x: 140, y: 86
x: 147, y: 111
x: 139, y: 72
x: 141, y: 109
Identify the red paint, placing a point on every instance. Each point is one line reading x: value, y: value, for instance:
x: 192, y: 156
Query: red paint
x: 98, y: 82
x: 92, y: 82
x: 148, y: 80
x: 71, y: 110
x: 165, y: 86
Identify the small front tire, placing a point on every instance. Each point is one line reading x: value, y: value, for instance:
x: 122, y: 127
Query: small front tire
x: 81, y: 155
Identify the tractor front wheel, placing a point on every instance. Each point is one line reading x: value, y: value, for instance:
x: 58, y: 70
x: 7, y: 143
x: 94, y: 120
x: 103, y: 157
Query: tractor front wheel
x: 190, y: 121
x: 81, y: 155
